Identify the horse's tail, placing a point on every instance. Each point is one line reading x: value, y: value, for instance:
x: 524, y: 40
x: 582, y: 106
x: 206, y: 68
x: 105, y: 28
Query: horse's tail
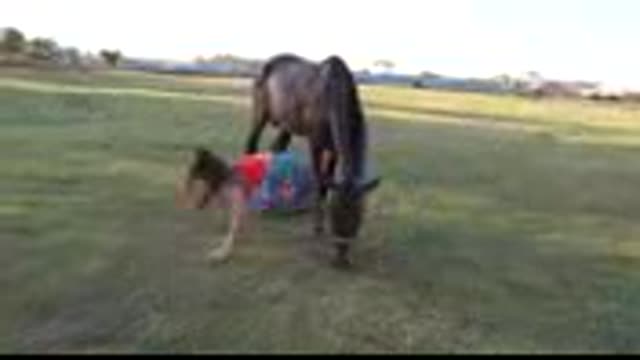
x: 348, y: 127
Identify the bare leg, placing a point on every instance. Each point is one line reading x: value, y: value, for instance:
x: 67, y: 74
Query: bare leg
x: 238, y: 213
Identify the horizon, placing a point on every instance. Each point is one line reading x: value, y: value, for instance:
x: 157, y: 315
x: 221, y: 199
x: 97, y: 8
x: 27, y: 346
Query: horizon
x: 589, y: 40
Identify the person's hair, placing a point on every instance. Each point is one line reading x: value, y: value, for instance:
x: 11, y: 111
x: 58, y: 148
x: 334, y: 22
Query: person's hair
x: 210, y: 168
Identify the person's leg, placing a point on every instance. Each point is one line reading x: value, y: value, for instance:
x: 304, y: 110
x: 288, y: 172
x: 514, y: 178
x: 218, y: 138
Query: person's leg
x: 238, y: 212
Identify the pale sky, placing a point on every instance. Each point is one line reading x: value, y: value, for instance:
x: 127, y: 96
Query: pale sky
x: 566, y: 39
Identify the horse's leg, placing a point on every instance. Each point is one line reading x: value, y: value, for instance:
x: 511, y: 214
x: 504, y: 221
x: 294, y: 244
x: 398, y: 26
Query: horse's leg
x: 323, y: 167
x: 342, y: 259
x: 342, y: 246
x: 321, y: 189
x: 260, y: 119
x: 254, y: 136
x: 281, y: 142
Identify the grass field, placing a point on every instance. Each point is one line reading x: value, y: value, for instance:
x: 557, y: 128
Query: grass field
x: 503, y: 225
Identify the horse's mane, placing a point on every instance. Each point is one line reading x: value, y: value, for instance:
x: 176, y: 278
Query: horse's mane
x: 346, y: 117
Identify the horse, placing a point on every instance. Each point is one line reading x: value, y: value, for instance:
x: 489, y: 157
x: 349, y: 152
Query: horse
x: 319, y: 102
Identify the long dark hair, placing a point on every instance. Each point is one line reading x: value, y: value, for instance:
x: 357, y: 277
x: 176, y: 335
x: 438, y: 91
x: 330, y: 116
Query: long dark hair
x: 211, y: 169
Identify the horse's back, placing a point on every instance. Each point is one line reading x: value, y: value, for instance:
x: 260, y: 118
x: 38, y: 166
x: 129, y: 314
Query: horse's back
x: 291, y: 85
x: 290, y: 75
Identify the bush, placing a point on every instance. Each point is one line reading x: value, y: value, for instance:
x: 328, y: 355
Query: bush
x: 42, y: 49
x: 111, y: 57
x: 12, y: 40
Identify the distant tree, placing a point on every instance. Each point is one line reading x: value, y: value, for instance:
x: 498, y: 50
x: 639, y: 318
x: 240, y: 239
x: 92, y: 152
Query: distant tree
x: 71, y: 56
x: 42, y: 49
x: 429, y: 75
x: 225, y: 57
x: 111, y: 57
x: 90, y: 59
x: 12, y: 40
x: 534, y: 76
x: 388, y: 65
x: 504, y: 80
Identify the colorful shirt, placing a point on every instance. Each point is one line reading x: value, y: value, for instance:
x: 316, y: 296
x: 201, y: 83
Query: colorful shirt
x: 276, y: 181
x: 252, y: 170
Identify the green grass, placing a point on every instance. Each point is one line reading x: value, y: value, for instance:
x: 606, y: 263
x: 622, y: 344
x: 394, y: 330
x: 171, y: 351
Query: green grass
x: 503, y: 225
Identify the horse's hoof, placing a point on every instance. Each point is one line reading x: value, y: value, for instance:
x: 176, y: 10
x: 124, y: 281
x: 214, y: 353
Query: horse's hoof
x: 342, y: 259
x: 342, y: 263
x: 318, y: 231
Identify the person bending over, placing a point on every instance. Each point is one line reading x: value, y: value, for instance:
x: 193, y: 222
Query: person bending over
x: 258, y: 182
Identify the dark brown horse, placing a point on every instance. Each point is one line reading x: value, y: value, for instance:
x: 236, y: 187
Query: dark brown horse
x: 319, y: 101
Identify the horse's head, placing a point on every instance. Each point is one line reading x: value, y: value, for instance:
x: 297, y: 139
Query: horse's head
x: 347, y: 206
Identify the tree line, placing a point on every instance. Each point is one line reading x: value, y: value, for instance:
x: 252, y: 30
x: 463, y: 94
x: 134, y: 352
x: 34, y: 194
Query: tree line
x: 15, y: 44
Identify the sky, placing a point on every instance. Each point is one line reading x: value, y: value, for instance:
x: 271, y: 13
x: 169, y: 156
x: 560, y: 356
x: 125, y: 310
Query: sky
x: 563, y: 39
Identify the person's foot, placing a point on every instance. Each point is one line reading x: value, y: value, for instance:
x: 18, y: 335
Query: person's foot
x: 219, y: 255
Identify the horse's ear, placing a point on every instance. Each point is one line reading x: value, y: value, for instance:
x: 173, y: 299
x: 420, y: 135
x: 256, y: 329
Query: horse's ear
x: 370, y: 185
